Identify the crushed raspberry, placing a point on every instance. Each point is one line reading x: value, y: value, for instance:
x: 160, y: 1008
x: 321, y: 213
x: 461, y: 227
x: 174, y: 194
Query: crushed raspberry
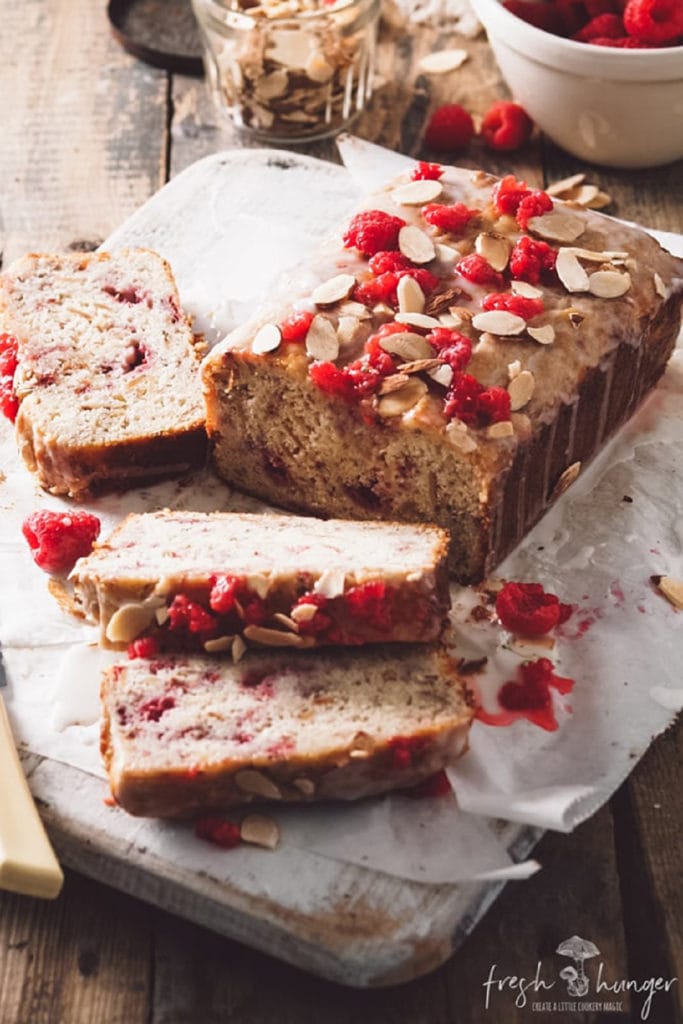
x: 58, y: 539
x: 531, y: 695
x: 153, y: 709
x: 506, y: 126
x: 373, y: 231
x: 434, y: 785
x: 8, y: 355
x: 493, y: 406
x: 224, y: 592
x: 508, y: 193
x: 144, y: 647
x: 451, y: 346
x: 218, y: 831
x: 371, y: 602
x: 184, y: 614
x: 533, y: 205
x: 378, y: 289
x: 475, y: 268
x: 604, y: 26
x: 527, y: 609
x: 404, y: 750
x: 129, y: 295
x: 427, y: 172
x: 9, y: 403
x: 461, y: 398
x: 388, y: 262
x: 511, y: 303
x: 254, y: 612
x: 295, y: 327
x: 332, y: 380
x: 654, y: 21
x: 530, y: 259
x: 453, y: 218
x: 320, y: 621
x: 450, y: 129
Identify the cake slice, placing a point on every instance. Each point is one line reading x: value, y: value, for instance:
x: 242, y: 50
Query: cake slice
x: 107, y: 376
x: 456, y: 357
x: 193, y: 581
x: 184, y: 735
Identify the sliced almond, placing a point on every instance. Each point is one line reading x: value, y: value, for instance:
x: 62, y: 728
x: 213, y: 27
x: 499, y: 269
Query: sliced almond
x: 285, y: 621
x: 565, y: 185
x: 415, y: 244
x: 347, y: 328
x: 446, y: 253
x: 130, y: 620
x: 544, y: 335
x: 494, y: 248
x: 416, y: 193
x: 407, y: 345
x: 257, y: 784
x: 330, y: 583
x: 502, y: 429
x: 318, y: 69
x: 528, y: 291
x: 304, y: 612
x: 499, y: 321
x: 270, y: 86
x: 527, y: 645
x: 660, y: 287
x: 600, y: 256
x: 558, y: 226
x: 608, y: 284
x: 266, y: 339
x: 276, y: 637
x: 356, y: 309
x: 671, y: 588
x: 334, y: 290
x: 439, y: 301
x: 260, y: 831
x: 259, y: 583
x: 162, y: 615
x: 442, y: 61
x: 521, y: 425
x: 218, y: 644
x: 584, y: 194
x: 442, y: 375
x: 321, y: 340
x: 402, y: 400
x: 394, y: 382
x: 417, y: 320
x: 566, y: 479
x: 601, y: 200
x: 238, y: 648
x: 305, y: 786
x: 520, y: 389
x: 411, y: 298
x: 448, y: 320
x: 570, y: 272
x: 420, y: 366
x: 460, y: 437
x: 514, y: 369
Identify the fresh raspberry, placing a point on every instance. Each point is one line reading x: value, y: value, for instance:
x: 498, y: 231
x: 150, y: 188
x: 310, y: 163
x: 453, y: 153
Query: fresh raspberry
x: 8, y: 355
x: 572, y: 15
x: 332, y: 380
x: 530, y: 259
x: 218, y: 831
x: 453, y: 218
x: 388, y: 262
x: 654, y: 21
x: 606, y: 26
x: 320, y: 621
x: 184, y: 614
x: 427, y: 172
x: 373, y: 231
x: 527, y: 609
x: 451, y: 346
x: 508, y: 193
x: 542, y: 15
x: 9, y: 403
x: 434, y: 785
x: 511, y: 303
x: 224, y: 592
x: 450, y: 129
x: 426, y: 280
x: 506, y: 126
x: 596, y: 7
x: 155, y: 707
x: 461, y: 398
x: 295, y: 327
x: 475, y: 268
x: 533, y: 205
x: 493, y: 406
x: 58, y: 539
x: 144, y: 647
x: 372, y: 603
x: 623, y: 43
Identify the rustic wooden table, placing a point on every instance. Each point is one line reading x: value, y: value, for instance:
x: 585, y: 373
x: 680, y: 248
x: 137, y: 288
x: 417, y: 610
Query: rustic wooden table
x: 87, y: 134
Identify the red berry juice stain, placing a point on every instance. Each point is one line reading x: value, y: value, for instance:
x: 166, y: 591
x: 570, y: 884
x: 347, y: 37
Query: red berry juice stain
x: 528, y: 697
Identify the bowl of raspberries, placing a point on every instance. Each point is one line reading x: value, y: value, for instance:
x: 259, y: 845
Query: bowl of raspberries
x: 602, y: 78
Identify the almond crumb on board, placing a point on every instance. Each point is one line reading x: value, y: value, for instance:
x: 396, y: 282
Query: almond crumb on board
x: 671, y: 589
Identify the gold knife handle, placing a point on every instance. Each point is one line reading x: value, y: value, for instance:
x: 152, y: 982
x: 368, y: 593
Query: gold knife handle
x: 27, y: 861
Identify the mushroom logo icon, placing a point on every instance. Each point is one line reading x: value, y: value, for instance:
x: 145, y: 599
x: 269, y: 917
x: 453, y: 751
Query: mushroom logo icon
x: 579, y: 950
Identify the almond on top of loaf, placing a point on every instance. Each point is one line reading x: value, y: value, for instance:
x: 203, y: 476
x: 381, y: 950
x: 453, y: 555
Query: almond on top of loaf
x: 456, y: 357
x: 107, y: 376
x: 188, y: 734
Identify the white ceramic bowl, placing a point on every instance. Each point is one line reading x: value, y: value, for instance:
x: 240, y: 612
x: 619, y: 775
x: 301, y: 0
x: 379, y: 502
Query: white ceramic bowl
x: 622, y: 108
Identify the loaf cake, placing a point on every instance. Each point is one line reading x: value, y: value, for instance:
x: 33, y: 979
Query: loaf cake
x: 107, y: 376
x: 183, y: 735
x: 469, y: 345
x: 193, y: 581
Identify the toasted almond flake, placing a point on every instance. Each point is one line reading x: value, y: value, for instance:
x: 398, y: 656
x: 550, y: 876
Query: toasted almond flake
x: 499, y: 321
x: 276, y: 637
x: 334, y: 290
x: 557, y: 226
x: 544, y: 335
x: 441, y: 300
x: 402, y: 400
x: 305, y: 786
x: 559, y: 188
x: 285, y: 621
x: 407, y: 345
x: 494, y: 248
x: 420, y: 365
x: 260, y: 831
x: 608, y: 284
x: 238, y: 648
x: 131, y: 619
x: 417, y: 320
x: 321, y: 340
x: 443, y: 375
x: 520, y: 389
x: 570, y: 272
x: 528, y: 291
x: 330, y: 583
x: 502, y: 429
x: 270, y: 86
x: 257, y: 784
x: 304, y: 612
x: 597, y: 255
x: 162, y: 615
x: 566, y: 479
x: 463, y: 312
x: 584, y: 194
x: 671, y: 588
x: 347, y: 328
x: 218, y: 644
x: 317, y: 68
x: 660, y: 287
x: 416, y: 193
x: 446, y: 253
x: 259, y: 583
x: 394, y: 382
x: 356, y: 309
x: 411, y: 298
x: 460, y: 437
x: 526, y: 644
x: 442, y: 61
x: 521, y: 424
x: 601, y: 200
x: 266, y: 339
x: 514, y: 369
x: 415, y: 244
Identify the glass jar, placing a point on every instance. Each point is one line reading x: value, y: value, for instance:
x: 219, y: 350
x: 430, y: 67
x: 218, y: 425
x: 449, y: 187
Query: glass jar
x: 290, y: 70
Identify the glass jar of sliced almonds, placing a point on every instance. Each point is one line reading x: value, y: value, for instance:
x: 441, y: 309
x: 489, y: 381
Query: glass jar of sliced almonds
x: 290, y: 70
